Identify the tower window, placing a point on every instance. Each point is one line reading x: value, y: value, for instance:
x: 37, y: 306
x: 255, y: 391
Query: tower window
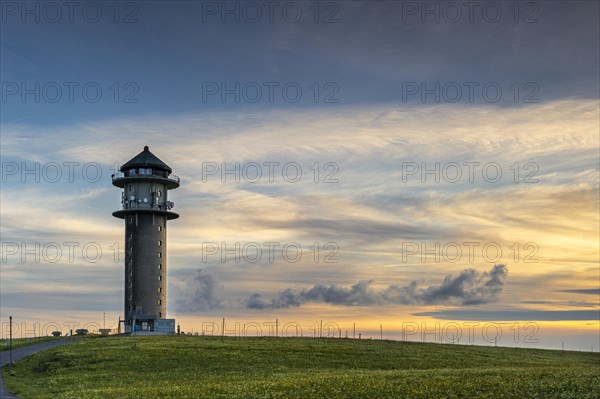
x: 159, y: 266
x: 159, y: 228
x: 159, y: 302
x: 159, y: 278
x: 159, y: 314
x: 160, y: 254
x: 159, y: 243
x: 159, y: 289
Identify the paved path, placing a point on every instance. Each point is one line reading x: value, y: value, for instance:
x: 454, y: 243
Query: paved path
x: 22, y: 352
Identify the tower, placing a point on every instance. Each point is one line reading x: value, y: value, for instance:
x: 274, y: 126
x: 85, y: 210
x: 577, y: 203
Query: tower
x: 145, y: 181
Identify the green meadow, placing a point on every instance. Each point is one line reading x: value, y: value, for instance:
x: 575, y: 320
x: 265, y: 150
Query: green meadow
x: 209, y: 367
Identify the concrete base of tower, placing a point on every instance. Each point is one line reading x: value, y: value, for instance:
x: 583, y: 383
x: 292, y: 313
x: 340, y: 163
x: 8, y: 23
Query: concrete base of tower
x: 151, y: 327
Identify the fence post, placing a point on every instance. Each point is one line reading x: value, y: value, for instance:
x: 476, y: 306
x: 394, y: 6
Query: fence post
x: 10, y: 342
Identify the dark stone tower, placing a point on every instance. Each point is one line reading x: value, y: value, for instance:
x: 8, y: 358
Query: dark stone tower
x: 145, y: 181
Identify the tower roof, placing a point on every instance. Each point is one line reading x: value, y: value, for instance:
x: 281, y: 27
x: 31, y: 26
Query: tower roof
x: 146, y: 159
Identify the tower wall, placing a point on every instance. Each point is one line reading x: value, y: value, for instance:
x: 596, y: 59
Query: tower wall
x: 145, y: 195
x: 145, y: 266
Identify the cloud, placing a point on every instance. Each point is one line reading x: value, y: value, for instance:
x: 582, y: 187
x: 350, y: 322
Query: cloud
x: 468, y: 288
x: 369, y: 213
x: 591, y: 291
x: 578, y: 304
x: 513, y: 315
x: 198, y: 293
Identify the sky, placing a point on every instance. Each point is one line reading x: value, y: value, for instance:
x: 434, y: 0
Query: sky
x: 412, y: 170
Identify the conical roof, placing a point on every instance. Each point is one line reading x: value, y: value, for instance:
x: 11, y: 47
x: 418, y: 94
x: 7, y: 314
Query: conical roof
x: 146, y: 159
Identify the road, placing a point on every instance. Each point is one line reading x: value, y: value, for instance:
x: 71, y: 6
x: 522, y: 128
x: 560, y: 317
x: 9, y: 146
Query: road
x: 22, y: 352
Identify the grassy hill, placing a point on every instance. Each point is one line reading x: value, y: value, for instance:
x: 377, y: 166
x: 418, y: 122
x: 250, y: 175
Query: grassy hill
x: 207, y: 367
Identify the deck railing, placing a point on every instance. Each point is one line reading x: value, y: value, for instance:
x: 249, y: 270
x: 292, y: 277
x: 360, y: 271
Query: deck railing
x: 135, y: 173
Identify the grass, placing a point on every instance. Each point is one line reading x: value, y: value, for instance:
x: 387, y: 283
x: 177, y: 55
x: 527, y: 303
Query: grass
x: 199, y: 367
x: 19, y: 342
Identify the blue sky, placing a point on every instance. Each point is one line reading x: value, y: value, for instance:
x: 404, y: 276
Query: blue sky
x: 368, y: 50
x: 364, y: 119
